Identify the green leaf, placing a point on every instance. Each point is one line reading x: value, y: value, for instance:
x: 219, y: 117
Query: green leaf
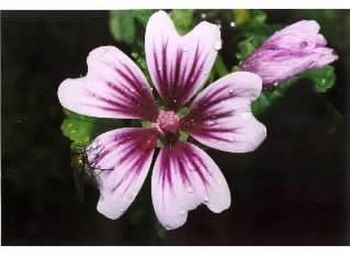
x: 219, y: 67
x: 78, y: 129
x: 246, y: 48
x: 183, y: 20
x: 269, y: 96
x: 252, y: 33
x: 142, y: 16
x: 241, y: 16
x: 323, y: 78
x: 122, y: 26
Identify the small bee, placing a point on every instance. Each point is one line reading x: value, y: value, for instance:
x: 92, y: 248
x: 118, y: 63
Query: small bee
x: 84, y: 172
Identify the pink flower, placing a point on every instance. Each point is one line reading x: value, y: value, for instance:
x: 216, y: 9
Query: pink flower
x: 290, y: 51
x: 184, y: 176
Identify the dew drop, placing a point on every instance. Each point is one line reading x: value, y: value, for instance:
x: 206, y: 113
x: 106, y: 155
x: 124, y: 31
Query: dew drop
x: 323, y: 81
x: 275, y: 83
x: 304, y: 44
x: 190, y: 189
x: 218, y: 45
x: 212, y: 122
x: 203, y: 15
x: 160, y: 68
x: 230, y: 92
x: 185, y: 48
x: 174, y: 101
x: 182, y: 212
x: 232, y: 24
x: 206, y: 199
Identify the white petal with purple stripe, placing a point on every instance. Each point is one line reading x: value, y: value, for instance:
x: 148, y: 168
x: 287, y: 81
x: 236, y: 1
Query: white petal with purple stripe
x: 129, y: 152
x: 179, y: 65
x: 184, y: 177
x: 114, y: 87
x: 220, y: 116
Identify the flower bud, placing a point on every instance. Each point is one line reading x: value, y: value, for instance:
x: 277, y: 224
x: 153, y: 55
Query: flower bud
x: 290, y: 51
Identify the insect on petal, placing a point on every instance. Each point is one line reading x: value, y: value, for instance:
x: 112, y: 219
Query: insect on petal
x: 121, y: 159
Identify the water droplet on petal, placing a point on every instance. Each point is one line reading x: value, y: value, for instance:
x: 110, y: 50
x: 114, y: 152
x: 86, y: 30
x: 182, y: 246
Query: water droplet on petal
x: 230, y: 91
x: 175, y: 101
x: 190, y: 189
x: 182, y: 212
x: 185, y: 48
x: 206, y: 199
x: 232, y: 24
x: 275, y: 83
x: 218, y: 44
x: 203, y: 15
x: 212, y: 122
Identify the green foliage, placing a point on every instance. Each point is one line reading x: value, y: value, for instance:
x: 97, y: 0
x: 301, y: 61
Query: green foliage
x: 122, y: 26
x: 269, y: 96
x: 253, y: 31
x: 78, y: 129
x: 142, y: 16
x: 323, y: 78
x: 183, y: 19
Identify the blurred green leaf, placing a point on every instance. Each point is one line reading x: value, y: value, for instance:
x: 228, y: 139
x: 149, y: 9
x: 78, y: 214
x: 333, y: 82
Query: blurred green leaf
x: 142, y: 16
x: 122, y: 26
x: 241, y: 16
x: 323, y: 78
x: 219, y: 68
x: 252, y: 33
x: 183, y: 20
x: 78, y: 129
x: 270, y: 96
x: 246, y: 48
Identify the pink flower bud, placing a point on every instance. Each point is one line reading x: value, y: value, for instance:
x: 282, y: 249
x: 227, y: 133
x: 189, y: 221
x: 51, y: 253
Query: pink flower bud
x: 290, y: 51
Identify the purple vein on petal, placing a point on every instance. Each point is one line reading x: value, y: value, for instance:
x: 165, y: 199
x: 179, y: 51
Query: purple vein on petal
x: 180, y: 157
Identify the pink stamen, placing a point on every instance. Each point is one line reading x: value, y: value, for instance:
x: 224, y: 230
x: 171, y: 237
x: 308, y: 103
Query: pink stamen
x: 168, y: 122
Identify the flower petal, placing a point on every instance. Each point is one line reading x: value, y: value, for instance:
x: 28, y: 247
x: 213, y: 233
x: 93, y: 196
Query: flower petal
x: 184, y: 177
x: 121, y: 159
x: 179, y: 65
x: 220, y: 116
x: 114, y: 87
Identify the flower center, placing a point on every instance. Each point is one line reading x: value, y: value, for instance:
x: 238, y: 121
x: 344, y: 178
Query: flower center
x: 168, y: 122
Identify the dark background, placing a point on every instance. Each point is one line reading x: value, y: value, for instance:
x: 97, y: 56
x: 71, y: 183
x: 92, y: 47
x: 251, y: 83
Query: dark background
x: 291, y: 191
